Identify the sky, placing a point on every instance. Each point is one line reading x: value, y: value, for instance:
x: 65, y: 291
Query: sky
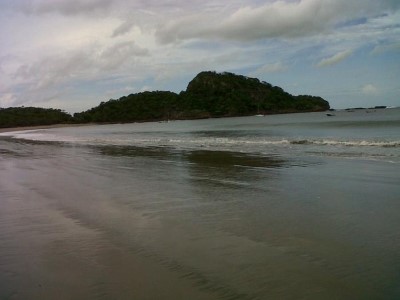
x: 74, y: 54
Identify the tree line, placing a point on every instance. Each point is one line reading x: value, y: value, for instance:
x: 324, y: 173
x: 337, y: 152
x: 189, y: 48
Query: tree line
x: 32, y: 116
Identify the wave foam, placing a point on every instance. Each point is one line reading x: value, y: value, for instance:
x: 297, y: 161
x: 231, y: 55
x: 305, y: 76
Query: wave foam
x: 181, y: 141
x: 353, y: 143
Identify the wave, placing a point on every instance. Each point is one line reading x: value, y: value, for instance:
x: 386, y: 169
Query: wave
x: 351, y: 143
x: 185, y: 141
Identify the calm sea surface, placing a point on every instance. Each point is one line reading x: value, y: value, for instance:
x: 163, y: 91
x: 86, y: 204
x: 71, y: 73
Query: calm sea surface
x: 298, y: 206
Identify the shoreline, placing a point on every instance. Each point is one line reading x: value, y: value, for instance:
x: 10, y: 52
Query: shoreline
x: 25, y: 128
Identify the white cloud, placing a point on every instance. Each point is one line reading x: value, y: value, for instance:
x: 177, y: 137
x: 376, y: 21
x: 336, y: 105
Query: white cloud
x: 85, y: 63
x: 369, y: 90
x: 285, y: 19
x: 66, y: 7
x: 338, y: 57
x: 391, y: 47
x: 124, y: 28
x: 117, y: 54
x: 7, y: 99
x: 269, y: 68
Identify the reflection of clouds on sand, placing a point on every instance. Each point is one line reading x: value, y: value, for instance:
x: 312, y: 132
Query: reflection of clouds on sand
x: 230, y: 169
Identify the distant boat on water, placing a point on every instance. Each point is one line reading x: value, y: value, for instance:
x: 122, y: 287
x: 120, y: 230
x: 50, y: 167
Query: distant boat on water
x: 330, y: 115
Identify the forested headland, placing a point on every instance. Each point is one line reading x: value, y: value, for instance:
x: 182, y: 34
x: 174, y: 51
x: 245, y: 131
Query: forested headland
x: 208, y: 95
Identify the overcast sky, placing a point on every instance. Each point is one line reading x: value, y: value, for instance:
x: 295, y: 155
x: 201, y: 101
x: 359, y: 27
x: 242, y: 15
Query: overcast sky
x: 73, y: 54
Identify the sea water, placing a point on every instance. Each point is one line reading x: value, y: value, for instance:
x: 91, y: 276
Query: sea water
x: 296, y: 206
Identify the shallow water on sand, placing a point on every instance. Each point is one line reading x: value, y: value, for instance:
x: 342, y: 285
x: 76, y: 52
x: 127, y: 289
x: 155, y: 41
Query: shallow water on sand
x: 281, y: 207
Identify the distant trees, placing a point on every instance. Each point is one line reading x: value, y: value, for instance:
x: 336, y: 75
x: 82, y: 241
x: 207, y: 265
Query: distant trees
x: 135, y: 107
x: 209, y: 94
x: 32, y: 116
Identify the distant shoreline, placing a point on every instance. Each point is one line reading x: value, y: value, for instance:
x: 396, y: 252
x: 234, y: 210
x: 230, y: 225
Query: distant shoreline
x: 61, y: 125
x: 24, y: 128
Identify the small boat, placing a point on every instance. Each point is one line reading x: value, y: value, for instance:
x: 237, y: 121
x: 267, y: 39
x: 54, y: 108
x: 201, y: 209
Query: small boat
x: 330, y: 115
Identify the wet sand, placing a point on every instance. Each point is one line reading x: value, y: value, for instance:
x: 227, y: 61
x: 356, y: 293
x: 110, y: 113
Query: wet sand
x: 49, y: 252
x: 108, y: 220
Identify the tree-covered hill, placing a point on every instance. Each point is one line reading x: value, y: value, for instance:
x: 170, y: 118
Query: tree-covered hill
x: 32, y: 116
x: 209, y: 94
x: 227, y: 94
x: 144, y: 106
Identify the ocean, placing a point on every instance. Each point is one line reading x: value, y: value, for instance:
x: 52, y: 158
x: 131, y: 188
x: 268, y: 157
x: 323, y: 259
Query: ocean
x: 294, y: 206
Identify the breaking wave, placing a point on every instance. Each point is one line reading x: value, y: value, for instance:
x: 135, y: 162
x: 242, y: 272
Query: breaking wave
x: 190, y: 141
x: 351, y: 143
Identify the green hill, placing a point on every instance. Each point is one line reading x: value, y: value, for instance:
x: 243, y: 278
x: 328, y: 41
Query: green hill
x: 209, y: 94
x: 227, y: 94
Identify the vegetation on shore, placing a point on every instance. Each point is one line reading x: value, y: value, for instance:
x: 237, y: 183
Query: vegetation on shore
x: 32, y: 116
x: 209, y: 94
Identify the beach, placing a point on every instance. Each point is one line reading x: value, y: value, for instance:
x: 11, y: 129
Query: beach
x: 281, y: 207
